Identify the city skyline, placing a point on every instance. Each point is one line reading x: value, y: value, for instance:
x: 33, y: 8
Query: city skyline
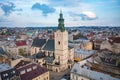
x: 35, y: 13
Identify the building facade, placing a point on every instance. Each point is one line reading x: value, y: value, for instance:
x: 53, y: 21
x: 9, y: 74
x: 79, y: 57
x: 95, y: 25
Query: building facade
x: 82, y: 71
x: 112, y: 44
x: 55, y: 53
x: 8, y: 73
x: 31, y: 71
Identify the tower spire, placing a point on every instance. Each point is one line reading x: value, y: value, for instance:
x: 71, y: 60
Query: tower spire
x: 60, y: 11
x: 61, y: 22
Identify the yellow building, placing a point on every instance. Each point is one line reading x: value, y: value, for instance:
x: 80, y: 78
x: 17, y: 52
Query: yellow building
x: 86, y: 45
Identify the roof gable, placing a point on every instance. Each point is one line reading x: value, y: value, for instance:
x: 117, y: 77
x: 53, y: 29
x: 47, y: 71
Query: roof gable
x: 20, y: 43
x: 38, y: 42
x: 50, y: 46
x: 36, y: 70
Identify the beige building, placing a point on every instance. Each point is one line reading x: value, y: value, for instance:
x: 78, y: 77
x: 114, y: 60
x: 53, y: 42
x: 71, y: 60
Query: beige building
x: 15, y: 60
x: 81, y: 44
x: 54, y: 53
x: 82, y: 71
x: 87, y: 46
x: 62, y: 56
x: 17, y: 47
x: 44, y: 76
x: 83, y: 54
x: 112, y: 44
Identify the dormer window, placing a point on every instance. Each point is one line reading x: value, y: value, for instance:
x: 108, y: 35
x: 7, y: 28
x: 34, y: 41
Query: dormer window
x: 29, y: 69
x: 22, y: 72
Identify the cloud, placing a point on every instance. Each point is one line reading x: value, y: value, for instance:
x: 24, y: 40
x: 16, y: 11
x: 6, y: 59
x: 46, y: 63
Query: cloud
x: 3, y: 19
x: 65, y: 3
x: 84, y: 15
x: 88, y: 16
x: 44, y: 8
x: 8, y: 7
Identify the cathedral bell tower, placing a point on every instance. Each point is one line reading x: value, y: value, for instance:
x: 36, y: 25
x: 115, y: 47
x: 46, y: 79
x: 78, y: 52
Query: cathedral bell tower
x: 61, y: 43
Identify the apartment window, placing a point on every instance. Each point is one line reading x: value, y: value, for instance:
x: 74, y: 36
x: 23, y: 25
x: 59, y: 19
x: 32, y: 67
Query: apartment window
x: 34, y: 67
x: 29, y: 69
x: 4, y: 75
x: 47, y: 78
x: 22, y: 72
x: 13, y: 71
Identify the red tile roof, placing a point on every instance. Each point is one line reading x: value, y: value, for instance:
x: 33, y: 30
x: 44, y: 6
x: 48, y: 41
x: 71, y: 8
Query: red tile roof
x: 20, y: 43
x: 32, y: 74
x: 114, y: 40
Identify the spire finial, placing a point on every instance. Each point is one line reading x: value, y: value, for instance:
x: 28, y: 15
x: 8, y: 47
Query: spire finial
x: 60, y: 11
x: 61, y: 22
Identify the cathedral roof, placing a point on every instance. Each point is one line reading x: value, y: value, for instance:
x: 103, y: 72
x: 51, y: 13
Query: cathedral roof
x: 20, y: 43
x: 49, y: 45
x: 38, y: 42
x: 114, y: 40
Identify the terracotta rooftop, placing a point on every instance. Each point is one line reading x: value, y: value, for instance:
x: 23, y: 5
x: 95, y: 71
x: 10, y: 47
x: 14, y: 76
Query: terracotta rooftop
x: 114, y: 40
x: 36, y: 70
x: 22, y: 63
x: 38, y: 42
x: 20, y: 43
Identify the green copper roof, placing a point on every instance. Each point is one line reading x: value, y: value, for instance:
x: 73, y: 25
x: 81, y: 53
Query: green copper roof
x: 61, y: 23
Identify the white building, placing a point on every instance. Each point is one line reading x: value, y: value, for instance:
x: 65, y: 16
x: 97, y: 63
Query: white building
x: 82, y: 53
x: 81, y: 71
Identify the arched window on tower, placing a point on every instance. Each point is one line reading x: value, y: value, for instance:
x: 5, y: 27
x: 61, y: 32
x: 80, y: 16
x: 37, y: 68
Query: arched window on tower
x: 59, y: 42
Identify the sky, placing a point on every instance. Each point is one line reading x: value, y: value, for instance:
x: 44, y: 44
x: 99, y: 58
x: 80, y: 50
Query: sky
x: 42, y: 13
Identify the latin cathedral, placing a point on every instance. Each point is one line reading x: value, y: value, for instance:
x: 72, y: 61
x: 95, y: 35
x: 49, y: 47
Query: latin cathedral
x: 55, y: 54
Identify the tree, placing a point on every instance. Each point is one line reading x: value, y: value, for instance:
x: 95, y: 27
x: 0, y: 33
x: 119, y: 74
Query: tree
x: 21, y: 52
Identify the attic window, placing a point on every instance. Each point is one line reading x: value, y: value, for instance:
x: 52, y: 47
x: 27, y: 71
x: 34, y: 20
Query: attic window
x: 34, y: 67
x: 59, y: 42
x: 29, y: 69
x: 13, y: 71
x: 5, y: 75
x: 75, y: 70
x: 22, y: 72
